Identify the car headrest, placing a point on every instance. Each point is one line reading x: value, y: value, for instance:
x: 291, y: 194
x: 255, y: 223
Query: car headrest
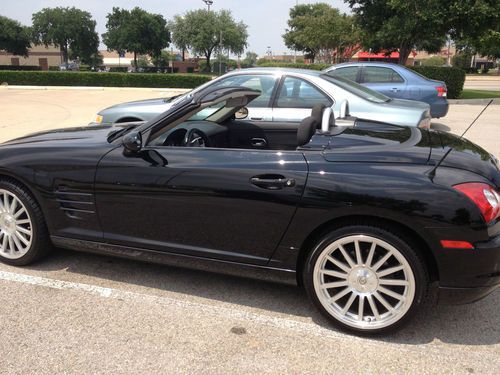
x: 306, y: 130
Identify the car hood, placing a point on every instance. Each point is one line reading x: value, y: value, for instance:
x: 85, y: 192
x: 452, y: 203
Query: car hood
x: 84, y: 135
x: 380, y: 143
x: 142, y: 103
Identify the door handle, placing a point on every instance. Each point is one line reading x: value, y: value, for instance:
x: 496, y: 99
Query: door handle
x: 256, y: 118
x: 258, y: 142
x: 272, y: 182
x: 395, y: 89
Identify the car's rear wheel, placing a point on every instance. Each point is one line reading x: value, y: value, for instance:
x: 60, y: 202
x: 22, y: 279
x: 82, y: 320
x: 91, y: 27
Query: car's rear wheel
x: 365, y: 279
x: 23, y: 233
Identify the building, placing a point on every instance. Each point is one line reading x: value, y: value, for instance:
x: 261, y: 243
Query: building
x: 41, y: 56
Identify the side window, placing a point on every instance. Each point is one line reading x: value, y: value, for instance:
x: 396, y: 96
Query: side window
x: 377, y: 74
x: 348, y: 72
x: 297, y: 93
x: 263, y: 83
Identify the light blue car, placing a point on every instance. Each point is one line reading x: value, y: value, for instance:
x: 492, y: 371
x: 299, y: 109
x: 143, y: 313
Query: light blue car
x: 288, y: 95
x: 397, y: 82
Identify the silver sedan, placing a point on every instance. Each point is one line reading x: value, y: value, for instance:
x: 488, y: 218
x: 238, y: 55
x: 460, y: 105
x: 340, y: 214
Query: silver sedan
x: 288, y: 95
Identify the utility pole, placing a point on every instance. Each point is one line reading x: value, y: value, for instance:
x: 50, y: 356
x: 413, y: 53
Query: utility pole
x: 209, y: 3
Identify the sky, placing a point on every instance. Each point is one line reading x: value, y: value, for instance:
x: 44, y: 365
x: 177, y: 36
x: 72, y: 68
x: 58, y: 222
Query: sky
x: 266, y: 19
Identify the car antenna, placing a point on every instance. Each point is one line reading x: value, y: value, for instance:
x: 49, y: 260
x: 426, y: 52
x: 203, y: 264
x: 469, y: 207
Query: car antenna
x: 432, y: 172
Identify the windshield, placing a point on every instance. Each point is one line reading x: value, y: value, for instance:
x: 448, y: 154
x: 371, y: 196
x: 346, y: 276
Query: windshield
x: 356, y: 89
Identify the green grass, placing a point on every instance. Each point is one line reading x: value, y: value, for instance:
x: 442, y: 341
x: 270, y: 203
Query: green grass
x: 479, y: 94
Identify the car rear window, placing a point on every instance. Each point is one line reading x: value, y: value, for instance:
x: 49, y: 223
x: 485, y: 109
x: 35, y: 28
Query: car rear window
x: 356, y: 89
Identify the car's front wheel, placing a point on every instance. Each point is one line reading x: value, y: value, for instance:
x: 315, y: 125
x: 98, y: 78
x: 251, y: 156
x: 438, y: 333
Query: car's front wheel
x: 365, y: 279
x: 23, y: 234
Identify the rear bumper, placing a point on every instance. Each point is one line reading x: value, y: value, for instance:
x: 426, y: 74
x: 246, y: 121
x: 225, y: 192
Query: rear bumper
x: 462, y: 296
x: 439, y: 108
x: 469, y: 275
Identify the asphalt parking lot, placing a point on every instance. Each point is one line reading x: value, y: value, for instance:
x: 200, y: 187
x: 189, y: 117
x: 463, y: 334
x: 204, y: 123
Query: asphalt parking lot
x: 81, y: 313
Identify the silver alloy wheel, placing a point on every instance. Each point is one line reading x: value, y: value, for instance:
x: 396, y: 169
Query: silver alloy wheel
x: 364, y: 282
x: 16, y: 229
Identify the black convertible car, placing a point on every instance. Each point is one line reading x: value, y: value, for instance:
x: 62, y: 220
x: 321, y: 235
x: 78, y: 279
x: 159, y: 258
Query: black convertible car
x: 365, y: 215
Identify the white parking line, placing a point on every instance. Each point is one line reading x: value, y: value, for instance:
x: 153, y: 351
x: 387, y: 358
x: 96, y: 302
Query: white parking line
x: 220, y: 311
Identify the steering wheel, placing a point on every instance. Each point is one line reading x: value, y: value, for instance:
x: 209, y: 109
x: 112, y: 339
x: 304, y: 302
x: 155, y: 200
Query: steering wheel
x: 196, y: 138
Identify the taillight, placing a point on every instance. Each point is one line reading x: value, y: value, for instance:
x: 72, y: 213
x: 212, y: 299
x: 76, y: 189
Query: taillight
x: 442, y: 91
x: 484, y: 196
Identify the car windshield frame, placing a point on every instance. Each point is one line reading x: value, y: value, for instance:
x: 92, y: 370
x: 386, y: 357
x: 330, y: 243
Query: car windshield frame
x: 357, y: 89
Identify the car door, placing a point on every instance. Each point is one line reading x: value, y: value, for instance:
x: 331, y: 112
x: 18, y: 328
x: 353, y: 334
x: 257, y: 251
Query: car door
x: 224, y: 204
x: 385, y: 80
x: 259, y: 109
x: 295, y: 98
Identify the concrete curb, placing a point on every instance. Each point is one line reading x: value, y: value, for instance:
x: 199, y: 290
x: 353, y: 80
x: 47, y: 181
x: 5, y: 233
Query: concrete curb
x: 496, y: 101
x: 89, y: 88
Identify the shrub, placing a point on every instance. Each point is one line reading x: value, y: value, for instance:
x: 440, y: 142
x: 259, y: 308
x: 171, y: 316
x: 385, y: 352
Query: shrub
x: 453, y: 77
x: 118, y: 69
x: 20, y: 67
x: 275, y: 64
x: 103, y: 79
x: 434, y: 61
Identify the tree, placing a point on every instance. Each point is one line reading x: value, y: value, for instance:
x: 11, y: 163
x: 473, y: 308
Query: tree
x: 14, y: 38
x: 319, y: 29
x: 201, y: 31
x: 136, y: 31
x: 70, y: 29
x: 401, y: 25
x: 250, y: 60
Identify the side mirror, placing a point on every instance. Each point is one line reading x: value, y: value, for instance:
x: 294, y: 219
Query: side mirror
x: 133, y: 141
x: 241, y: 114
x: 344, y: 109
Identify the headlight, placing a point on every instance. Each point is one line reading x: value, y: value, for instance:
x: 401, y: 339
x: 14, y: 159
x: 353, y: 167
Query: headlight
x: 98, y: 119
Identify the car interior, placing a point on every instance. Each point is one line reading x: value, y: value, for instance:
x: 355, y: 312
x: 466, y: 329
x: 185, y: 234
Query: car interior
x: 218, y: 130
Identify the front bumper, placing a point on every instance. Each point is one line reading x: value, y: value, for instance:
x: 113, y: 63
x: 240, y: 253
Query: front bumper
x: 470, y: 275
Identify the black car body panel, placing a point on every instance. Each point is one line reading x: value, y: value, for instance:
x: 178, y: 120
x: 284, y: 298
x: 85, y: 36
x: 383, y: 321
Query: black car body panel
x: 207, y: 205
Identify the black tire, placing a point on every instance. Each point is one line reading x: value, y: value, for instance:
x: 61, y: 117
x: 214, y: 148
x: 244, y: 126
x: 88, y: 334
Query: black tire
x: 408, y: 252
x: 40, y: 241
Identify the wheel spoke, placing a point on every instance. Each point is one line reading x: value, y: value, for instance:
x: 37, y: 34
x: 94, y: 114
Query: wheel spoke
x: 359, y: 258
x: 347, y: 256
x: 23, y: 230
x: 340, y: 275
x: 22, y: 238
x: 348, y: 304
x: 394, y: 282
x: 13, y: 206
x: 371, y: 254
x: 373, y: 307
x: 344, y: 267
x: 339, y: 295
x: 388, y: 271
x: 391, y: 293
x: 19, y: 247
x: 382, y: 261
x: 335, y: 284
x: 361, y: 307
x: 383, y: 301
x: 19, y: 213
x: 4, y: 243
